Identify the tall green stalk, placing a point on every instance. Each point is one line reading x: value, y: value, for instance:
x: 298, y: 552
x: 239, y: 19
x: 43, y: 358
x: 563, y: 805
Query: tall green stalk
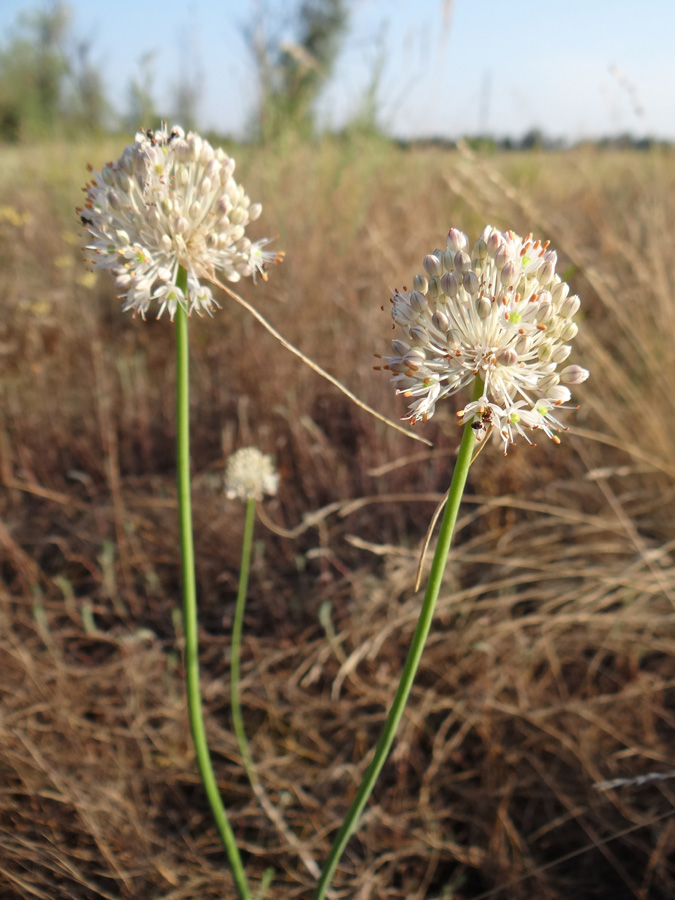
x: 391, y: 724
x: 190, y: 602
x: 235, y: 645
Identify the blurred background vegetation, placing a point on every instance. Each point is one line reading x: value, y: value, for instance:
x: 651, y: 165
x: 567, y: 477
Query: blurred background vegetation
x: 50, y: 87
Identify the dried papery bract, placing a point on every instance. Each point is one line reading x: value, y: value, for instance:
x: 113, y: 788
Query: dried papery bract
x: 171, y: 201
x: 499, y: 312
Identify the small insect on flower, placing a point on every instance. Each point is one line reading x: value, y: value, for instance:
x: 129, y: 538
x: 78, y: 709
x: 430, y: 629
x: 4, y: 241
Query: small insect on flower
x: 170, y: 200
x: 498, y: 312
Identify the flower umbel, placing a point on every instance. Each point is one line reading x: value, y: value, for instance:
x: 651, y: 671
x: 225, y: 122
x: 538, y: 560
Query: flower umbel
x: 499, y: 313
x: 250, y: 474
x: 170, y: 200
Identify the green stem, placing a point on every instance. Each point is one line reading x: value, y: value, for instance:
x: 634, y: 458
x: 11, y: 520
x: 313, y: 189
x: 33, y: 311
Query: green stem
x: 235, y: 647
x: 190, y: 602
x: 371, y: 774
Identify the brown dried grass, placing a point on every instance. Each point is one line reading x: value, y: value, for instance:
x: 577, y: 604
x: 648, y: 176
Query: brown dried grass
x: 550, y: 665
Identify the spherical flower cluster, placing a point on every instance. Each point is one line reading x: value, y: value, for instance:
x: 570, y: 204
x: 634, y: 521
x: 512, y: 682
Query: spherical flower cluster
x: 498, y: 312
x: 250, y: 474
x: 170, y: 200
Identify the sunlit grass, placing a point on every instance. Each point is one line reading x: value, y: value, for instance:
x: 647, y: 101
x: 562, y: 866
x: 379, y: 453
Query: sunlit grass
x: 550, y: 666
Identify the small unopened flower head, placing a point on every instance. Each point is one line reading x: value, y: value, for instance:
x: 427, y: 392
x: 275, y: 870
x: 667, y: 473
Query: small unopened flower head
x: 500, y: 313
x: 170, y: 200
x: 250, y: 474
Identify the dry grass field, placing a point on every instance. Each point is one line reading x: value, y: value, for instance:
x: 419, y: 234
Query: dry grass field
x: 550, y: 666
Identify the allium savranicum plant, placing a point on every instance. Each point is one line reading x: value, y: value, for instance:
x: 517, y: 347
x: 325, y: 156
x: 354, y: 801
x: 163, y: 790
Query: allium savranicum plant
x: 171, y: 201
x: 497, y: 321
x: 165, y: 218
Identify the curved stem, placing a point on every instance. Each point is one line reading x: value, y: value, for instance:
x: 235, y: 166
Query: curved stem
x: 235, y: 703
x: 235, y: 646
x: 190, y: 602
x: 414, y: 656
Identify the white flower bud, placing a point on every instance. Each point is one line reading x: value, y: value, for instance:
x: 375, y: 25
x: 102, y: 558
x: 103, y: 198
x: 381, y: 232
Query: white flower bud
x: 510, y: 274
x: 560, y: 291
x: 457, y: 240
x: 544, y: 312
x: 418, y: 302
x: 559, y: 394
x: 440, y: 321
x: 545, y: 272
x: 522, y: 344
x: 545, y: 351
x: 561, y: 353
x: 547, y: 383
x: 449, y: 285
x: 570, y: 331
x: 419, y: 334
x: 479, y: 250
x: 400, y: 347
x: 570, y: 307
x: 574, y: 375
x: 123, y: 181
x: 507, y: 357
x: 434, y: 289
x: 502, y: 256
x: 471, y: 284
x: 494, y: 242
x: 420, y: 284
x: 432, y: 265
x: 239, y: 216
x: 483, y: 307
x: 462, y: 262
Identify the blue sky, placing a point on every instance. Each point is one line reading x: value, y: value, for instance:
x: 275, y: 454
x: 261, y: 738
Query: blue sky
x: 571, y: 68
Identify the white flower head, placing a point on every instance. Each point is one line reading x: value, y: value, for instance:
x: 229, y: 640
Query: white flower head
x: 498, y: 312
x: 250, y: 474
x: 170, y: 200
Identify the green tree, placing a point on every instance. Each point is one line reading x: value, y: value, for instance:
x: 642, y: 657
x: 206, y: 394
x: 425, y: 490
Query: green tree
x: 292, y: 72
x: 33, y: 69
x: 48, y: 83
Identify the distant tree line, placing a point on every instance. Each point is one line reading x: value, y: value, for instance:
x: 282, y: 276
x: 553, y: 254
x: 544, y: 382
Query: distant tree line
x: 538, y: 140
